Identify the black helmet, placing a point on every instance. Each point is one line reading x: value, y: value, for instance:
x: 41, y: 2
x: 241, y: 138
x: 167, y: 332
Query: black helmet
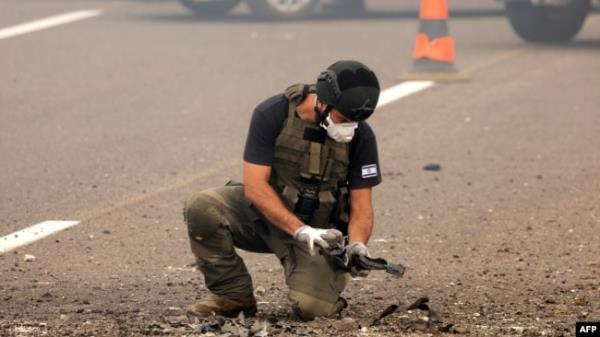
x: 351, y: 87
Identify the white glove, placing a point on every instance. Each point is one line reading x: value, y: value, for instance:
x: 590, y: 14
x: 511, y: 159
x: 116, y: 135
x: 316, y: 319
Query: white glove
x: 357, y: 248
x: 325, y: 238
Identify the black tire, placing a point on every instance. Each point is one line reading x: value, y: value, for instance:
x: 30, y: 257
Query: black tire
x: 547, y: 23
x: 282, y: 9
x: 209, y: 7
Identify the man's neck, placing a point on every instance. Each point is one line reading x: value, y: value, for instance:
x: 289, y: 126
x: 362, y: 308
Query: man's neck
x: 306, y: 109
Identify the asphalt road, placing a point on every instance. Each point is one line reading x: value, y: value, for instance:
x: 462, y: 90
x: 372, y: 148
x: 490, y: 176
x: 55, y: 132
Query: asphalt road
x: 116, y: 120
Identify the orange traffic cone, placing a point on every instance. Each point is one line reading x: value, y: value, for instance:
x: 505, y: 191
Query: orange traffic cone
x: 434, y: 55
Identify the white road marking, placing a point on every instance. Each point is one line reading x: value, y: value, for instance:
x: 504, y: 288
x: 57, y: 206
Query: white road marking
x: 48, y: 23
x: 33, y: 233
x: 402, y: 90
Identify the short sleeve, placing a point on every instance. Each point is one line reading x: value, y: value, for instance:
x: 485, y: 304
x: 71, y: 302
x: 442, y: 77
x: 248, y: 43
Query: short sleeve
x: 265, y: 125
x: 364, y: 169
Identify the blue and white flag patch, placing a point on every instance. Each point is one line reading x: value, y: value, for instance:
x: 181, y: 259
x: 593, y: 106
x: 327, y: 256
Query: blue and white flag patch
x: 369, y: 171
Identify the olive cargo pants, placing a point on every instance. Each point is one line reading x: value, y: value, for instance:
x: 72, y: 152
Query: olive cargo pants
x: 220, y: 219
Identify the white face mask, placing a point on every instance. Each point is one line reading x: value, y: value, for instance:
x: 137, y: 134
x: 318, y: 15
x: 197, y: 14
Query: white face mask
x: 340, y: 132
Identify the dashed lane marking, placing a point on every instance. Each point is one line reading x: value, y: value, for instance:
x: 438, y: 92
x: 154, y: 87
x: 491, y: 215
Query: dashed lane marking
x: 402, y: 90
x: 33, y: 233
x: 50, y: 22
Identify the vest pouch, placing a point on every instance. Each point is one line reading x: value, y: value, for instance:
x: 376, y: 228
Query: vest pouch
x: 323, y: 213
x: 308, y: 203
x: 340, y: 215
x: 290, y: 197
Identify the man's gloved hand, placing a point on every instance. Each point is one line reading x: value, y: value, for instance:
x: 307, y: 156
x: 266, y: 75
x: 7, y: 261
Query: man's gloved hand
x: 357, y: 248
x: 325, y: 238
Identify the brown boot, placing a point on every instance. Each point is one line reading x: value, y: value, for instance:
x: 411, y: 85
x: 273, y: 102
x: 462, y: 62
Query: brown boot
x: 223, y: 306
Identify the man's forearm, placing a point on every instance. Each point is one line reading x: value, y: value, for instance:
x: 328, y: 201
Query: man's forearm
x: 266, y: 200
x: 360, y: 226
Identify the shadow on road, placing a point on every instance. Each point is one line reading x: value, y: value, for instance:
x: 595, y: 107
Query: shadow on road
x: 368, y: 16
x: 577, y: 44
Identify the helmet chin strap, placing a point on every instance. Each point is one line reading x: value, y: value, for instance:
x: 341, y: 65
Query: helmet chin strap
x: 322, y: 115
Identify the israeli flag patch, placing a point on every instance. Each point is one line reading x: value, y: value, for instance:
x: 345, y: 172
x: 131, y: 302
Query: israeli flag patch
x: 369, y: 171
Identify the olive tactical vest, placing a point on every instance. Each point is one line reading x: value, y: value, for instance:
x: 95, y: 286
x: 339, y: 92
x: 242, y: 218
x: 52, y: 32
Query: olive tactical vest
x: 305, y: 154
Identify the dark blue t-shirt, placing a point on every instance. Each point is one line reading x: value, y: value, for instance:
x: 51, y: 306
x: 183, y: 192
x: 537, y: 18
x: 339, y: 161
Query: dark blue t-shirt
x: 268, y: 121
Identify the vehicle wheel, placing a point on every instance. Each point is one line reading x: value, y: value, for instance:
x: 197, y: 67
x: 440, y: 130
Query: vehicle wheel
x: 547, y: 23
x: 209, y: 7
x: 282, y: 9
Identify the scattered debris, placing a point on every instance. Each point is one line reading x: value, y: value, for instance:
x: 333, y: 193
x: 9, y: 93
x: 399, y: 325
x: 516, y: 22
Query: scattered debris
x: 242, y: 318
x: 420, y: 304
x: 388, y: 311
x: 260, y: 291
x: 432, y: 167
x: 29, y: 258
x: 346, y: 324
x: 174, y: 311
x: 260, y: 328
x: 518, y: 329
x: 177, y: 321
